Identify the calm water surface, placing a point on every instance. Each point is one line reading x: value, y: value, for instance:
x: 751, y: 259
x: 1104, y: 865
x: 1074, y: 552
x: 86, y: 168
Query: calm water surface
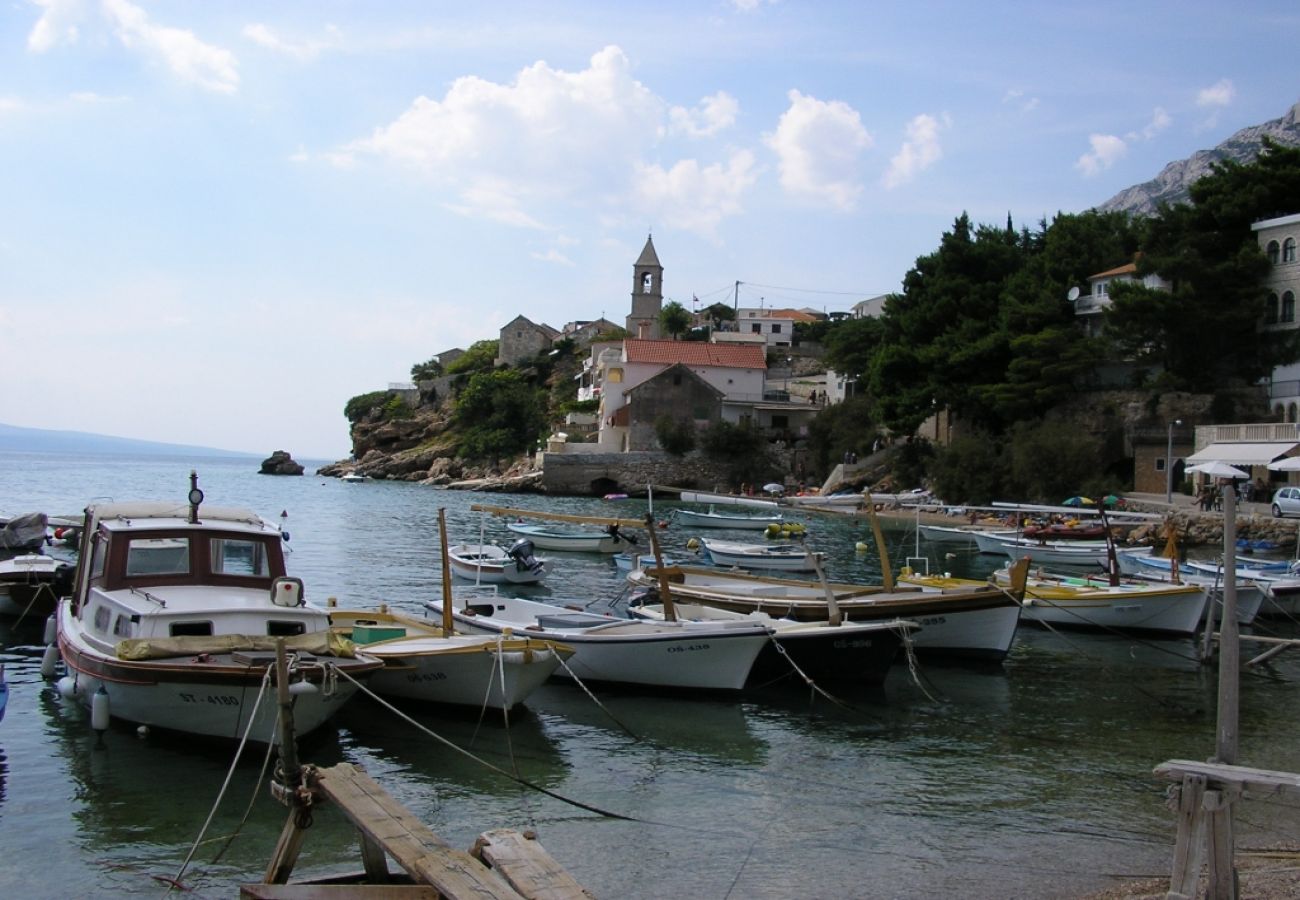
x: 1026, y: 780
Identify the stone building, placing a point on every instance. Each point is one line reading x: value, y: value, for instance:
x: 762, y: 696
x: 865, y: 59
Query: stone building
x: 677, y: 394
x: 522, y: 339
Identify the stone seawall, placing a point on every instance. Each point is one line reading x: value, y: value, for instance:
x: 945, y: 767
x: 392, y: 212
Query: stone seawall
x: 597, y: 474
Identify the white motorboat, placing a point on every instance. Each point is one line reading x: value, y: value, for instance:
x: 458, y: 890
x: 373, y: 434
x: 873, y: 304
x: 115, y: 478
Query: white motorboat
x: 352, y: 477
x: 573, y: 538
x: 174, y: 620
x: 783, y: 557
x: 678, y: 654
x: 490, y: 564
x: 30, y: 585
x: 422, y: 662
x: 1050, y: 553
x: 974, y: 623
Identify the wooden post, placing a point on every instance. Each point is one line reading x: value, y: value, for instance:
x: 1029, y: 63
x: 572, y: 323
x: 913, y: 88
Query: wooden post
x: 1225, y: 750
x: 834, y: 615
x: 887, y: 573
x: 448, y: 621
x: 1188, y: 847
x: 288, y: 744
x: 665, y: 594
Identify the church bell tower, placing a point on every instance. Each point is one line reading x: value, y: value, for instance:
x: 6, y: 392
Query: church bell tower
x: 647, y: 294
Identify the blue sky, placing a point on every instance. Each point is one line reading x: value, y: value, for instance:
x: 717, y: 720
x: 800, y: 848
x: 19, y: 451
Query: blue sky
x: 222, y: 220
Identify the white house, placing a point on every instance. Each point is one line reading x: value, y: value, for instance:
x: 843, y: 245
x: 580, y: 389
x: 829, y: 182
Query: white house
x: 1277, y: 238
x: 1090, y: 308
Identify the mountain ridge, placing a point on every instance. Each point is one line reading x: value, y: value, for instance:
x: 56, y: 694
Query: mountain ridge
x: 41, y: 440
x: 1172, y: 185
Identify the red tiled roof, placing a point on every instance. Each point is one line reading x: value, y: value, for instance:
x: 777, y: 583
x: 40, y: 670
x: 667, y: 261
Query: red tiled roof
x: 797, y: 315
x: 1122, y: 270
x: 696, y: 353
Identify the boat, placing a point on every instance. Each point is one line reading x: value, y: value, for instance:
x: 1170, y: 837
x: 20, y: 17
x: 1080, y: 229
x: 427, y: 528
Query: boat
x: 627, y: 560
x: 973, y: 623
x: 1067, y: 531
x: 572, y: 538
x: 737, y: 520
x: 671, y: 654
x: 352, y: 477
x: 422, y: 662
x: 859, y: 652
x: 490, y: 564
x: 785, y: 557
x: 31, y: 584
x: 1251, y: 583
x: 1050, y: 553
x: 1093, y: 602
x: 956, y: 534
x: 175, y: 617
x: 24, y: 534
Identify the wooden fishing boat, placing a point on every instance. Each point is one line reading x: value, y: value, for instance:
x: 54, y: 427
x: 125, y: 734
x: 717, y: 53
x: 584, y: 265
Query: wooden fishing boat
x: 972, y: 622
x: 1252, y: 584
x: 859, y: 652
x: 31, y: 584
x: 490, y: 564
x: 783, y: 557
x: 676, y: 654
x: 174, y: 620
x: 1050, y: 553
x: 422, y: 662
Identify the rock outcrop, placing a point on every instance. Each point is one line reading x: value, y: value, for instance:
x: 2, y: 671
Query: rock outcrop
x: 280, y: 463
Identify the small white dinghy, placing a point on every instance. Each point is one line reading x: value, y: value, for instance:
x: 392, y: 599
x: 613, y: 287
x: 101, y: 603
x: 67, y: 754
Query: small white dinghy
x: 782, y: 557
x: 490, y: 564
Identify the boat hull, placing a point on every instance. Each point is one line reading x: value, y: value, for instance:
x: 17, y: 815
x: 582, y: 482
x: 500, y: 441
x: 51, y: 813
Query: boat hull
x: 781, y: 558
x: 1167, y: 613
x: 684, y: 655
x: 595, y: 542
x: 825, y: 653
x: 725, y: 520
x: 496, y: 679
x: 478, y: 564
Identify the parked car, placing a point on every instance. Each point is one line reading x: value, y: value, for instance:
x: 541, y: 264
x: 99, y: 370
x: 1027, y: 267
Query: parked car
x: 1286, y: 502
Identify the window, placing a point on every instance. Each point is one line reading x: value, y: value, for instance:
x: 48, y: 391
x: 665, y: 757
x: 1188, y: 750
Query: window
x: 236, y: 557
x: 677, y: 379
x: 1290, y: 412
x: 647, y: 283
x: 191, y: 629
x: 1273, y: 252
x: 1270, y: 314
x: 158, y: 556
x: 1160, y: 463
x: 776, y: 329
x: 1288, y: 250
x: 1099, y: 289
x: 615, y: 376
x: 780, y: 421
x: 1288, y: 307
x: 101, y: 618
x: 122, y: 627
x: 756, y: 328
x: 284, y: 629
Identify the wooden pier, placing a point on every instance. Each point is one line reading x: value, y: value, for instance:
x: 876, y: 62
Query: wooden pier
x: 505, y: 863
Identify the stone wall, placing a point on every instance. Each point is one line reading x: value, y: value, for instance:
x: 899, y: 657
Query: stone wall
x: 607, y: 473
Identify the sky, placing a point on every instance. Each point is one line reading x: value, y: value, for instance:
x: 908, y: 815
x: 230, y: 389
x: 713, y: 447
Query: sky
x: 220, y: 221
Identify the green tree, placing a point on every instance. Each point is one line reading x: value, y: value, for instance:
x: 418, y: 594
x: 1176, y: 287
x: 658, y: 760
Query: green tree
x: 674, y: 319
x: 429, y: 369
x: 717, y: 313
x: 499, y: 413
x: 676, y: 437
x: 480, y: 357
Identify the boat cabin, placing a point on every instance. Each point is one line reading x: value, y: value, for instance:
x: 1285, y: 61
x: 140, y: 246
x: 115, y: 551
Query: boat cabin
x: 150, y: 572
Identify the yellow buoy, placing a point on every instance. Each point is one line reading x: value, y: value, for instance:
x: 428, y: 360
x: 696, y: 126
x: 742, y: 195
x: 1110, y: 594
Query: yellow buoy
x: 693, y: 544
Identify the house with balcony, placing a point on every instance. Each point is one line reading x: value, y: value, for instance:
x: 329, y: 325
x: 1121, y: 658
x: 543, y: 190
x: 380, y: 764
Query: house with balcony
x: 1090, y: 308
x: 775, y: 327
x: 1277, y: 238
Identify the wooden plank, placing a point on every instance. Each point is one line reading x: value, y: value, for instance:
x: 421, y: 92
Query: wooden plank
x: 338, y: 892
x: 1221, y: 846
x: 1188, y: 845
x: 525, y: 864
x: 287, y: 848
x: 556, y: 517
x: 374, y: 859
x: 1245, y: 778
x: 421, y: 853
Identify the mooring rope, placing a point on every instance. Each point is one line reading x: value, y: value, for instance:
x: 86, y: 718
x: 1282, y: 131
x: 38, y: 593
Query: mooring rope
x: 523, y: 782
x: 579, y: 682
x: 43, y: 587
x: 261, y: 692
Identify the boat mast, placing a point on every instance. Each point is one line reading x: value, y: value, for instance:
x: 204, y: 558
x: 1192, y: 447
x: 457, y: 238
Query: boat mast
x: 448, y: 623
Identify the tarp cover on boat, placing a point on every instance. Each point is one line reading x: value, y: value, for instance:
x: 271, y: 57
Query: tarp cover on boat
x: 26, y: 532
x: 320, y: 643
x: 1242, y: 454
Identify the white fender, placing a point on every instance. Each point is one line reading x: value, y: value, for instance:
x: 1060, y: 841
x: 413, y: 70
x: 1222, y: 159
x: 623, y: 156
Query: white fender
x: 99, y: 710
x: 51, y: 629
x: 49, y: 661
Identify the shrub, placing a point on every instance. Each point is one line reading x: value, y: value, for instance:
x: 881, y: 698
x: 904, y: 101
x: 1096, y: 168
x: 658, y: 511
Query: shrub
x: 676, y: 437
x: 361, y: 405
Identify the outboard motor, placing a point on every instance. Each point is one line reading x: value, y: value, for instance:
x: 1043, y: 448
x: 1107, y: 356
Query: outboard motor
x: 521, y: 551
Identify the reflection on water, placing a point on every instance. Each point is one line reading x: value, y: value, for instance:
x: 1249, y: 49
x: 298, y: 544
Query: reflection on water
x: 1027, y: 779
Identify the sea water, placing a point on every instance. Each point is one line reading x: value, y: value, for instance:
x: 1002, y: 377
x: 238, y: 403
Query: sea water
x: 1029, y: 779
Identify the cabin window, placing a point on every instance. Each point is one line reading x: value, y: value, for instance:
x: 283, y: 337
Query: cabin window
x: 98, y: 556
x: 1274, y: 252
x: 284, y: 629
x: 102, y: 616
x: 236, y: 557
x: 1288, y: 307
x: 190, y: 629
x: 158, y: 556
x: 1288, y: 250
x: 122, y: 626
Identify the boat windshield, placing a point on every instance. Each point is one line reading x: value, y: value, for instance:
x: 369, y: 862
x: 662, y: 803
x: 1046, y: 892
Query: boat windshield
x: 231, y: 556
x: 158, y: 556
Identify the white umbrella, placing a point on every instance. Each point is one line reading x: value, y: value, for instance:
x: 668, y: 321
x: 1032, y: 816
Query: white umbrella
x: 1286, y: 464
x: 774, y: 488
x: 1218, y: 470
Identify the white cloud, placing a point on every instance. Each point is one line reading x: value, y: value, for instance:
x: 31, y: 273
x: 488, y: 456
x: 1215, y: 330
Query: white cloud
x: 10, y: 105
x: 1106, y: 149
x: 302, y: 51
x: 187, y: 57
x: 748, y: 6
x: 548, y: 134
x: 1221, y: 93
x: 710, y: 116
x: 1160, y: 120
x: 919, y: 151
x: 819, y: 144
x: 695, y: 198
x: 552, y: 256
x: 58, y: 24
x: 1017, y: 97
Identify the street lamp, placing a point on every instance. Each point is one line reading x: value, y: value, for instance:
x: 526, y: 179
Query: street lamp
x: 1169, y: 462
